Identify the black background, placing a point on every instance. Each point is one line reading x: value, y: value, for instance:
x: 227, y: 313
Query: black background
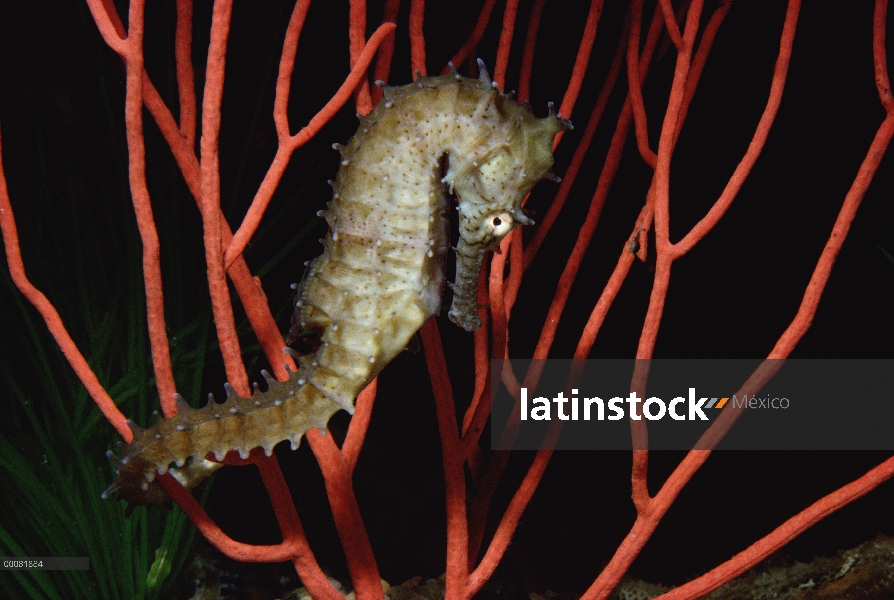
x: 731, y: 297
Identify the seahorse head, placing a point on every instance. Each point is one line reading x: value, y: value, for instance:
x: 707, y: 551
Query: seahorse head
x: 490, y: 182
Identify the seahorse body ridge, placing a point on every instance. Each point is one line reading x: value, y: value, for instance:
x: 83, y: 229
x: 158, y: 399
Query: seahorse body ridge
x: 381, y: 273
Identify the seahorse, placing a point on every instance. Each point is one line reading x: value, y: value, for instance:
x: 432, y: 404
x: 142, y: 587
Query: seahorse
x: 381, y: 274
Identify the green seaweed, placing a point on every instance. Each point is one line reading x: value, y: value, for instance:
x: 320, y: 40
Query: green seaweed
x: 66, y: 164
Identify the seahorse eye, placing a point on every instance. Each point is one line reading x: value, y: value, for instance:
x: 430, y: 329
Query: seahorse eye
x: 499, y: 225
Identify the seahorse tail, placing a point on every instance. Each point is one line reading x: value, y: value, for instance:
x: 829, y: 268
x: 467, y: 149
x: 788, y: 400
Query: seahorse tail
x: 285, y: 411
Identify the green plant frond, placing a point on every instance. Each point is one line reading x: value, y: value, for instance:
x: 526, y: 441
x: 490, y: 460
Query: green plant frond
x: 82, y: 249
x: 886, y: 253
x: 36, y: 584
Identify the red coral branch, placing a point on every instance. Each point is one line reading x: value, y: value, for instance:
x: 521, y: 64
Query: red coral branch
x: 789, y: 530
x: 386, y: 50
x: 338, y: 468
x: 509, y: 14
x: 293, y: 548
x: 452, y: 460
x: 288, y: 144
x: 131, y: 50
x: 356, y: 42
x: 417, y: 37
x: 185, y: 75
x: 577, y: 160
x: 480, y: 25
x: 209, y: 205
x: 51, y: 315
x: 524, y: 83
x: 633, y: 81
x: 581, y: 62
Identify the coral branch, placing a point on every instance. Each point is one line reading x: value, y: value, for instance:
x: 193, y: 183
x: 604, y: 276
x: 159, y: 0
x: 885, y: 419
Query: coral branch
x: 480, y: 25
x: 109, y: 25
x: 673, y: 30
x: 186, y: 92
x: 338, y: 468
x: 806, y: 311
x: 337, y: 471
x: 524, y: 83
x: 294, y: 546
x: 761, y: 133
x: 356, y: 41
x: 280, y: 161
x: 506, y: 33
x: 136, y: 152
x: 417, y: 37
x: 386, y: 50
x: 798, y: 327
x: 509, y: 522
x: 453, y: 460
x: 286, y: 67
x: 51, y: 316
x: 209, y: 207
x: 577, y: 160
x: 783, y: 534
x: 609, y: 168
x: 248, y: 288
x: 640, y: 120
x: 880, y: 59
x: 131, y: 50
x: 580, y: 63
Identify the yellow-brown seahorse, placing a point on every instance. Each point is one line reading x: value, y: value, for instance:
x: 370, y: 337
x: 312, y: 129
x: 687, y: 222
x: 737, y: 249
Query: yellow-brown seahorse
x: 381, y: 274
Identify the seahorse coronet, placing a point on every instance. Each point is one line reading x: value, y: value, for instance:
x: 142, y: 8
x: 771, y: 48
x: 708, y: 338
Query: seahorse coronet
x: 381, y: 273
